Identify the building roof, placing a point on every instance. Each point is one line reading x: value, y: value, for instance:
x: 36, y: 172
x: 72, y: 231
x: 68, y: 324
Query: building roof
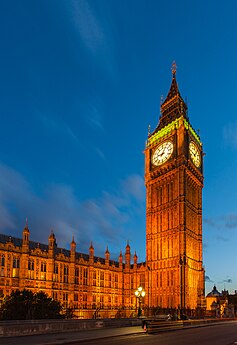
x: 17, y: 242
x: 214, y: 292
x: 173, y: 106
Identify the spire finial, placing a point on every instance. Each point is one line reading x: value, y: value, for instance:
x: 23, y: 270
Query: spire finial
x: 26, y: 223
x: 174, y: 68
x: 161, y: 99
x: 149, y: 130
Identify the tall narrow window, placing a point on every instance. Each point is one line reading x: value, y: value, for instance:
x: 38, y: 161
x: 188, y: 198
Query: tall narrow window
x: 84, y: 298
x: 94, y: 302
x: 102, y: 301
x: 160, y: 221
x: 109, y: 280
x: 85, y: 276
x: 142, y: 280
x: 15, y: 267
x: 2, y: 265
x: 171, y: 190
x: 55, y: 272
x: 65, y: 274
x: 77, y: 275
x: 65, y: 299
x: 116, y: 281
x: 31, y: 269
x: 55, y: 295
x: 75, y: 300
x: 94, y: 278
x: 101, y: 278
x: 43, y: 271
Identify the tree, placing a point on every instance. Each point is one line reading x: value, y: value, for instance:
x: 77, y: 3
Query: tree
x: 26, y: 305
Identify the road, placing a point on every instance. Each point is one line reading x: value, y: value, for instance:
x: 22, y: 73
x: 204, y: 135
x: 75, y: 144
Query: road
x: 222, y: 334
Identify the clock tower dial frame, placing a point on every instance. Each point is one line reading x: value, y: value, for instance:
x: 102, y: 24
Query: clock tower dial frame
x: 174, y: 183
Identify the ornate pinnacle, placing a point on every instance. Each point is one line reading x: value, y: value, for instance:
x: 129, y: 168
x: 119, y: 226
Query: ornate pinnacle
x: 174, y: 68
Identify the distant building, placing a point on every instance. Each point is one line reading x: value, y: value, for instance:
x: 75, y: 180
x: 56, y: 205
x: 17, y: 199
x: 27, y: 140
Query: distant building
x: 219, y: 304
x: 212, y: 298
x: 173, y: 274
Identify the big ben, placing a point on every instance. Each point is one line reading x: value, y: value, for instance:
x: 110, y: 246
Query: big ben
x: 174, y: 183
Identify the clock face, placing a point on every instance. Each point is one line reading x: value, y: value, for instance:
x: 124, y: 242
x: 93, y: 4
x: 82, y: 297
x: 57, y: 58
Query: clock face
x: 162, y: 153
x: 194, y: 154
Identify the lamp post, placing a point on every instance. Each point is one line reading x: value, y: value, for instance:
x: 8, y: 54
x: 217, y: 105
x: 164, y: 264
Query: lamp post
x: 140, y: 294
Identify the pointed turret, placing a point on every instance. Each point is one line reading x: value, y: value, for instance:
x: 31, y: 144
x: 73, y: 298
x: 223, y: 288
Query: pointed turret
x: 52, y: 239
x: 91, y: 253
x: 25, y: 237
x: 173, y: 106
x: 73, y: 247
x: 107, y: 256
x: 120, y: 259
x: 135, y: 258
x: 52, y: 242
x: 127, y: 256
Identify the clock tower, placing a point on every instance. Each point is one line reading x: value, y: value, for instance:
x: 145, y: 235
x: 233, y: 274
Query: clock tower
x: 174, y: 182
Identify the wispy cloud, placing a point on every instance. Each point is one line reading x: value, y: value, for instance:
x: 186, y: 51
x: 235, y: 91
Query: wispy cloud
x: 94, y: 118
x: 95, y: 34
x: 109, y: 218
x: 100, y: 153
x: 227, y: 280
x: 59, y: 127
x: 225, y: 222
x: 134, y: 186
x: 230, y: 134
x: 222, y: 226
x: 88, y: 26
x: 208, y: 279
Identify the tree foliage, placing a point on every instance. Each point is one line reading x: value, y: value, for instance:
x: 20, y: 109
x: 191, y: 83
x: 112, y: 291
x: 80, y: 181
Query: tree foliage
x: 26, y: 305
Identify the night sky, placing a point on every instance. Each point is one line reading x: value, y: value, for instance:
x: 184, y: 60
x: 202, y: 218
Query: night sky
x: 80, y: 82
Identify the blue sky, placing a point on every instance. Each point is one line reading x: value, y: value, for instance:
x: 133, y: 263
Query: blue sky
x: 80, y: 81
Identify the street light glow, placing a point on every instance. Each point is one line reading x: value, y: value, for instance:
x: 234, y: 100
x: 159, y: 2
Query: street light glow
x: 140, y: 293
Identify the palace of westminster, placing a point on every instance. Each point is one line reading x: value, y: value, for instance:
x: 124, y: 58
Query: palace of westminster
x: 172, y: 275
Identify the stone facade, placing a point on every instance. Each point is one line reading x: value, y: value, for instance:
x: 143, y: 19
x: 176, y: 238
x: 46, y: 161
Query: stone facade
x: 91, y: 285
x: 174, y: 182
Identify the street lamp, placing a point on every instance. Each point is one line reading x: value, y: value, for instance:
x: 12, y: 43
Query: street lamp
x: 140, y: 294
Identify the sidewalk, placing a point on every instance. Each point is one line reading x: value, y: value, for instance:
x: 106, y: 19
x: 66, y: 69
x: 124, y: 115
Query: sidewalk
x: 70, y: 337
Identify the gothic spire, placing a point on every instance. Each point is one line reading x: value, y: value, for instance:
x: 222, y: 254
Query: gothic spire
x: 173, y: 106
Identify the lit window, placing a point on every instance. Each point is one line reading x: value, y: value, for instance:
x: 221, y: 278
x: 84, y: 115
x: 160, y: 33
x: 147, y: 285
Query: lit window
x: 15, y: 267
x: 31, y: 269
x: 55, y: 272
x: 43, y: 271
x: 65, y: 277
